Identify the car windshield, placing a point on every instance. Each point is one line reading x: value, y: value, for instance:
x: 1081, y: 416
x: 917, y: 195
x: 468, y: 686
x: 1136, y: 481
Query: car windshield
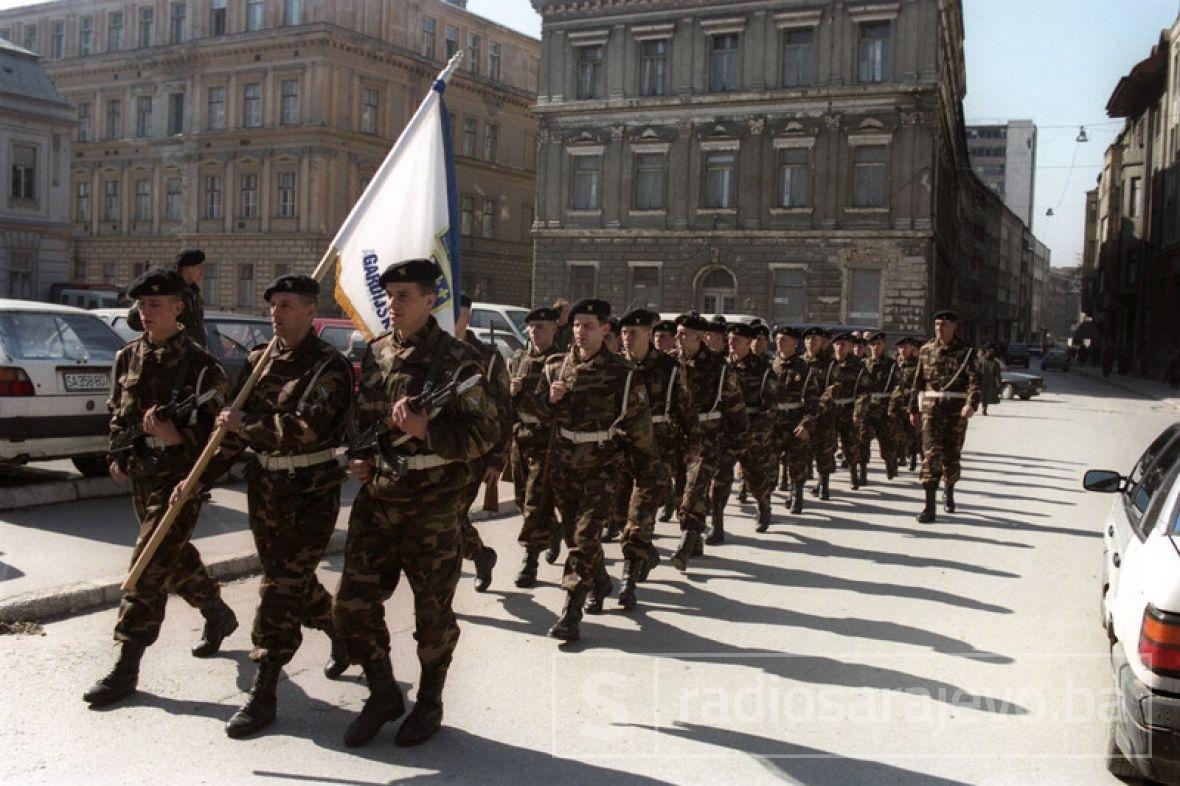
x: 233, y: 340
x: 29, y: 335
x: 125, y: 331
x: 339, y: 337
x: 1151, y: 469
x: 517, y: 315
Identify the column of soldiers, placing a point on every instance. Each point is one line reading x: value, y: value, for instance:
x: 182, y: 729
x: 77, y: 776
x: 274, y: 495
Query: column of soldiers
x: 635, y: 416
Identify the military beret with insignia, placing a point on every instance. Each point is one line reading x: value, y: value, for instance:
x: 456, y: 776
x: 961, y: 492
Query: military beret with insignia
x: 542, y: 314
x: 156, y: 281
x: 761, y: 330
x: 591, y: 306
x: 296, y: 285
x: 874, y: 335
x: 692, y: 321
x: 787, y: 330
x: 664, y: 326
x: 816, y: 330
x: 189, y: 257
x: 639, y: 317
x: 411, y: 271
x: 742, y: 329
x: 844, y: 337
x: 947, y: 314
x: 717, y: 325
x: 614, y: 324
x: 860, y: 341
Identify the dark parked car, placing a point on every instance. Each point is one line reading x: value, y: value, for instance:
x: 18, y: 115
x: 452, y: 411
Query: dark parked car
x: 1056, y: 357
x: 1016, y: 384
x: 1016, y: 354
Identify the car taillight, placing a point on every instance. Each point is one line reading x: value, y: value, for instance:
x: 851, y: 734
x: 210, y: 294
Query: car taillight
x: 15, y: 382
x: 1159, y: 641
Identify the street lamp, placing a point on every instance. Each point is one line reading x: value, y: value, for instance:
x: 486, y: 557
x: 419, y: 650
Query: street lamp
x: 1082, y: 135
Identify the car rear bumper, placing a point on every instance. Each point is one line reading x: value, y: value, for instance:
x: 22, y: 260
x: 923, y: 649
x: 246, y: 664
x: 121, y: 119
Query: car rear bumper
x: 20, y: 428
x: 1147, y: 724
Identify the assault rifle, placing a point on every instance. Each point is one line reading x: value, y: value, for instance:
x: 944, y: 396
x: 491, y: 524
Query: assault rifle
x: 133, y: 441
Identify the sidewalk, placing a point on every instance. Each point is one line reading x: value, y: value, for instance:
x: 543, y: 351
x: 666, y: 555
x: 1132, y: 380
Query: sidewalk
x: 1148, y: 388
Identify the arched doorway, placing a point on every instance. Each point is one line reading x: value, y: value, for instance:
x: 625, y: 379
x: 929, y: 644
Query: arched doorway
x: 718, y: 292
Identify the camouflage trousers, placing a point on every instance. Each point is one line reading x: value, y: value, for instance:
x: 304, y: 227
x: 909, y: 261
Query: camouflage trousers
x: 943, y: 433
x: 540, y: 502
x: 759, y: 468
x: 848, y: 432
x: 906, y: 439
x: 620, y: 491
x: 292, y: 522
x: 794, y: 453
x: 876, y: 423
x: 678, y: 468
x: 586, y: 493
x: 703, y: 460
x: 472, y: 542
x: 640, y: 513
x: 823, y: 444
x: 419, y: 537
x: 175, y: 568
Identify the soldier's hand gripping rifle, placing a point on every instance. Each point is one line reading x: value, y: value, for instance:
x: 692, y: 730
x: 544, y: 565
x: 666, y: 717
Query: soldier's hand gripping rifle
x: 133, y: 441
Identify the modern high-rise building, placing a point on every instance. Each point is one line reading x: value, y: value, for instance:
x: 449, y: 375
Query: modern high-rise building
x: 1005, y: 158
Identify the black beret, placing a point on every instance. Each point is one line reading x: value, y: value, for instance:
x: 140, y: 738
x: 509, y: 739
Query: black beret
x: 411, y: 271
x: 297, y: 285
x: 189, y: 257
x: 874, y: 335
x: 816, y: 330
x: 860, y: 341
x: 542, y: 314
x: 614, y: 324
x: 595, y: 308
x: 903, y: 341
x: 742, y: 329
x: 787, y: 330
x: 639, y: 317
x: 761, y: 330
x: 947, y: 314
x: 464, y: 301
x: 717, y: 325
x: 156, y: 281
x: 692, y: 321
x: 844, y: 337
x: 664, y: 326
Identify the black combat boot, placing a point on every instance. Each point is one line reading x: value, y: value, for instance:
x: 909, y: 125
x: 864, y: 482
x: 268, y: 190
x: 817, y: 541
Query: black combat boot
x: 890, y: 468
x: 763, y: 517
x: 744, y: 495
x: 818, y: 488
x: 797, y: 502
x: 220, y: 621
x: 824, y: 492
x: 385, y: 703
x: 338, y: 660
x: 864, y: 474
x: 612, y: 532
x: 601, y: 590
x: 648, y: 565
x: 554, y: 550
x: 854, y: 472
x: 260, y: 709
x: 948, y: 500
x: 668, y: 512
x: 913, y: 461
x: 566, y: 628
x: 785, y: 483
x: 528, y: 569
x: 484, y: 561
x: 426, y: 718
x: 717, y: 536
x: 122, y: 679
x: 632, y: 570
x: 688, y: 543
x: 927, y: 514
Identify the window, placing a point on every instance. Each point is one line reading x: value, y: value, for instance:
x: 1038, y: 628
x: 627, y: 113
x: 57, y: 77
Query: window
x: 173, y: 199
x: 249, y: 195
x: 85, y: 129
x: 82, y: 202
x: 587, y: 179
x: 649, y: 181
x: 494, y: 61
x: 491, y: 141
x: 114, y: 31
x: 788, y: 299
x: 869, y: 165
x: 469, y: 136
x: 289, y: 109
x: 474, y: 52
x: 718, y: 292
x: 645, y: 286
x: 589, y: 72
x: 292, y: 12
x: 246, y: 284
x: 653, y: 67
x: 24, y: 172
x: 210, y: 286
x: 798, y: 57
x: 582, y: 282
x: 147, y: 27
x: 873, y: 53
x: 429, y: 33
x: 252, y: 105
x: 216, y: 111
x: 217, y: 18
x: 865, y: 297
x: 143, y: 200
x: 369, y: 108
x: 254, y: 14
x: 175, y: 113
x: 286, y: 194
x: 723, y: 63
x: 30, y: 41
x: 793, y: 178
x: 451, y: 38
x: 467, y: 215
x: 114, y: 119
x: 1134, y: 193
x: 720, y: 176
x: 57, y: 40
x: 86, y: 35
x: 20, y: 286
x: 110, y: 201
x: 489, y: 218
x: 143, y: 116
x: 176, y: 23
x: 213, y: 196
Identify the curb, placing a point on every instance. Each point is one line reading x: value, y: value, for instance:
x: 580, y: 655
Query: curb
x: 1114, y: 381
x: 70, y: 599
x: 55, y: 492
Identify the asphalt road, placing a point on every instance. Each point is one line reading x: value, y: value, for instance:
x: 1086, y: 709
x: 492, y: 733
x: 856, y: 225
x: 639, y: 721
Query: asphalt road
x: 847, y: 646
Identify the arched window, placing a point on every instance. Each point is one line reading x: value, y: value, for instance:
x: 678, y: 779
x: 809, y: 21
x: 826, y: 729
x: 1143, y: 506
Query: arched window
x: 718, y: 292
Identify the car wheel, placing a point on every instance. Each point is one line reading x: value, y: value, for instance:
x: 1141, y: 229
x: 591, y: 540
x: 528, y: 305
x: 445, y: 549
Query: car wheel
x: 1008, y: 392
x: 1116, y: 763
x: 1025, y: 396
x: 91, y: 466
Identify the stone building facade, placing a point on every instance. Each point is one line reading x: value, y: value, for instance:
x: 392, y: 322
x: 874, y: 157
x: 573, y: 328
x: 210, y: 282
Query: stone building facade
x: 803, y: 162
x: 250, y: 127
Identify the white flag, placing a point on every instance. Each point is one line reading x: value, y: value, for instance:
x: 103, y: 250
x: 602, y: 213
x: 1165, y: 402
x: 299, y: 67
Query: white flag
x: 409, y: 211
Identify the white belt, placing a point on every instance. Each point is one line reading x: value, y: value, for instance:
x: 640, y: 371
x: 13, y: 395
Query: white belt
x: 531, y: 420
x: 705, y: 417
x: 754, y: 410
x: 587, y: 437
x: 881, y: 395
x: 155, y: 443
x: 417, y: 462
x: 656, y: 419
x: 789, y: 407
x: 276, y: 462
x: 943, y: 394
x: 843, y: 401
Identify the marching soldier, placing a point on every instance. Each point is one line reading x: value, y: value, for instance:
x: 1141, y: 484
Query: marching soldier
x: 612, y: 340
x: 907, y: 438
x: 663, y: 338
x: 405, y: 519
x: 721, y: 419
x: 823, y: 436
x: 190, y: 264
x: 532, y: 435
x: 489, y: 467
x: 944, y: 396
x: 162, y: 368
x: 602, y: 417
x: 847, y: 395
x: 716, y: 330
x: 880, y: 379
x: 760, y: 345
x: 797, y: 408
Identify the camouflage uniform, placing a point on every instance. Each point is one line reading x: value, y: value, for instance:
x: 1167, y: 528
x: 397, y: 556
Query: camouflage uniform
x: 907, y: 439
x: 755, y: 449
x: 145, y: 375
x: 411, y: 524
x: 798, y: 405
x: 846, y: 395
x: 295, y: 414
x: 939, y: 393
x: 530, y: 431
x: 496, y: 374
x: 823, y: 435
x: 880, y: 379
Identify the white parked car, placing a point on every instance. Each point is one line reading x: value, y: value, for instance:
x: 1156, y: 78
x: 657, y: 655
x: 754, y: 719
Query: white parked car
x: 55, y: 376
x: 1141, y: 610
x: 506, y: 319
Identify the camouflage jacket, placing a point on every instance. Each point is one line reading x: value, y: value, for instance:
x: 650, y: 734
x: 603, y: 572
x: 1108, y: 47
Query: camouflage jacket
x: 899, y: 401
x: 146, y: 375
x: 192, y: 318
x: 672, y: 414
x: 846, y: 385
x: 881, y: 378
x: 799, y: 389
x: 720, y: 406
x: 529, y: 427
x: 495, y: 374
x: 759, y: 388
x: 459, y: 433
x: 939, y: 372
x: 300, y: 405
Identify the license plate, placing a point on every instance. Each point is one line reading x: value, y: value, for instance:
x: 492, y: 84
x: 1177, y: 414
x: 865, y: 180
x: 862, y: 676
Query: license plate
x: 79, y: 382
